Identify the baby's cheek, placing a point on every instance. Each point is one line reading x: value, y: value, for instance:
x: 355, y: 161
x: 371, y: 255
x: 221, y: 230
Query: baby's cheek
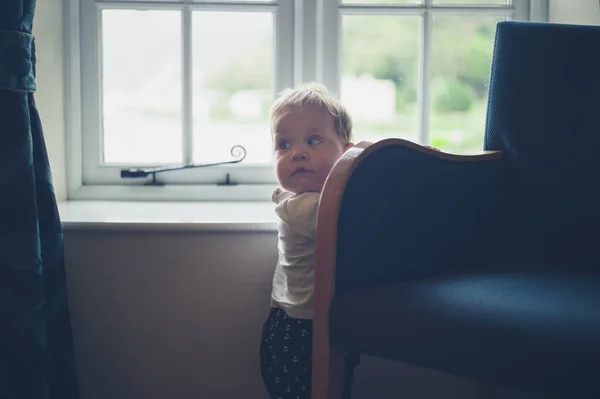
x: 280, y: 170
x: 279, y: 160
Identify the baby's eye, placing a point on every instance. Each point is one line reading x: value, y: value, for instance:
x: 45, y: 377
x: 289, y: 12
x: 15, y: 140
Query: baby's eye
x: 314, y: 141
x: 282, y: 146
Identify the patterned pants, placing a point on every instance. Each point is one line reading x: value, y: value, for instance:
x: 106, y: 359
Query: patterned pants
x: 286, y: 357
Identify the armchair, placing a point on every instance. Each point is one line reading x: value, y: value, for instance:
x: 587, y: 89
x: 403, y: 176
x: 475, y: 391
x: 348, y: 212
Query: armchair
x: 484, y: 266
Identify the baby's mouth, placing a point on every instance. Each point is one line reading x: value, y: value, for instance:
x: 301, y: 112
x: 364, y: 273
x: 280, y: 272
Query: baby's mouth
x: 300, y: 170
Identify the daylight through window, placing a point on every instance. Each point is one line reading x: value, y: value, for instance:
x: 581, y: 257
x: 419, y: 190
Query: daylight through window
x: 182, y: 81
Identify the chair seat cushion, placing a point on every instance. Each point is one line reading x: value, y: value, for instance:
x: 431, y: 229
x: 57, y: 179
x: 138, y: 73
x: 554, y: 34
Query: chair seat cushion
x: 540, y: 332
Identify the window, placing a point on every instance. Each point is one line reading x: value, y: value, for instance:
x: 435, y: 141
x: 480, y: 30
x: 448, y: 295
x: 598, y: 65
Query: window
x: 170, y: 82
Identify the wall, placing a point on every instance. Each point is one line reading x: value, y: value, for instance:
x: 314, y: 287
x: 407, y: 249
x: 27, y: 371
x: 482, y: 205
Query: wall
x: 585, y: 12
x: 179, y: 315
x: 48, y: 31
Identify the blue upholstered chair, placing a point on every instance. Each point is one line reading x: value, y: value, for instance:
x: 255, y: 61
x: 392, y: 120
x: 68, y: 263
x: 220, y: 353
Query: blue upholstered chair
x: 487, y: 266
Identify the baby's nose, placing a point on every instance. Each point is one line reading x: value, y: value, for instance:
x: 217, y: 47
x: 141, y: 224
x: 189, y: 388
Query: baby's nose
x: 300, y: 154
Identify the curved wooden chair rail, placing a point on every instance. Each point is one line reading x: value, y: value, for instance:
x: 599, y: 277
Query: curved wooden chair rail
x: 328, y: 362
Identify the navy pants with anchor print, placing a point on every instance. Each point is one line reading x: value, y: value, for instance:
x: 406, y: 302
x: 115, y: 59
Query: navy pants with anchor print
x: 286, y: 357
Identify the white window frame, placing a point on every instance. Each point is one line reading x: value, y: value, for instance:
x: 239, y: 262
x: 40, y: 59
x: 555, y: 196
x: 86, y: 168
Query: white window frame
x: 307, y: 48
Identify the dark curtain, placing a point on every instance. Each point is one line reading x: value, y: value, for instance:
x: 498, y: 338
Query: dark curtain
x: 36, y: 350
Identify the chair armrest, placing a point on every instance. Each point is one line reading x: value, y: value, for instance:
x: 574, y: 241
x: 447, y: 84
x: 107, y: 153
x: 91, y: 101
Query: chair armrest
x: 395, y: 210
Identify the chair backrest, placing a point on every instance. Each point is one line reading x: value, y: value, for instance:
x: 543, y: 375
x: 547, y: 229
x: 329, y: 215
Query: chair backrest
x: 544, y: 113
x: 404, y: 211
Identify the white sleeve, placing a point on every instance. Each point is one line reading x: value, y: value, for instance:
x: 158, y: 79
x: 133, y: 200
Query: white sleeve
x: 302, y: 212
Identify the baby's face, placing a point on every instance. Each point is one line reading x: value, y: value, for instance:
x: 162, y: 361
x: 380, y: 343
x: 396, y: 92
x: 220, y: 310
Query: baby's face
x: 306, y: 148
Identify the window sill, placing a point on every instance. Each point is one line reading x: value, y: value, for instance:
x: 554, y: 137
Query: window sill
x: 167, y: 216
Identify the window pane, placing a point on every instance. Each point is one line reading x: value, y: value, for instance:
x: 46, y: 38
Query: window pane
x: 473, y: 2
x: 460, y: 70
x: 141, y: 86
x: 232, y: 84
x: 237, y: 1
x: 194, y: 1
x: 136, y: 1
x: 380, y: 75
x: 382, y: 2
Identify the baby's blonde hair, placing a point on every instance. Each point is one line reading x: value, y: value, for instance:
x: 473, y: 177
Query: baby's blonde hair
x: 315, y: 95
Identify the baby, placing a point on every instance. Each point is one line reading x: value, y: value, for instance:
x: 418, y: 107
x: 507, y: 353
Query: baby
x: 311, y: 130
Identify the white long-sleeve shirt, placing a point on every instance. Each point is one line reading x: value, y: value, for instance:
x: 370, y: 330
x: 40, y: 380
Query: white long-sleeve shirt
x: 293, y: 281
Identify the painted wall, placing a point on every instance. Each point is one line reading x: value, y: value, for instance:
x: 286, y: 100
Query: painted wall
x: 179, y: 315
x: 584, y: 12
x: 48, y: 31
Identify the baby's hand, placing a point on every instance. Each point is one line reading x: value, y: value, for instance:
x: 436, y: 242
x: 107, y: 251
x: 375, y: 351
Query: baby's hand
x: 431, y: 148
